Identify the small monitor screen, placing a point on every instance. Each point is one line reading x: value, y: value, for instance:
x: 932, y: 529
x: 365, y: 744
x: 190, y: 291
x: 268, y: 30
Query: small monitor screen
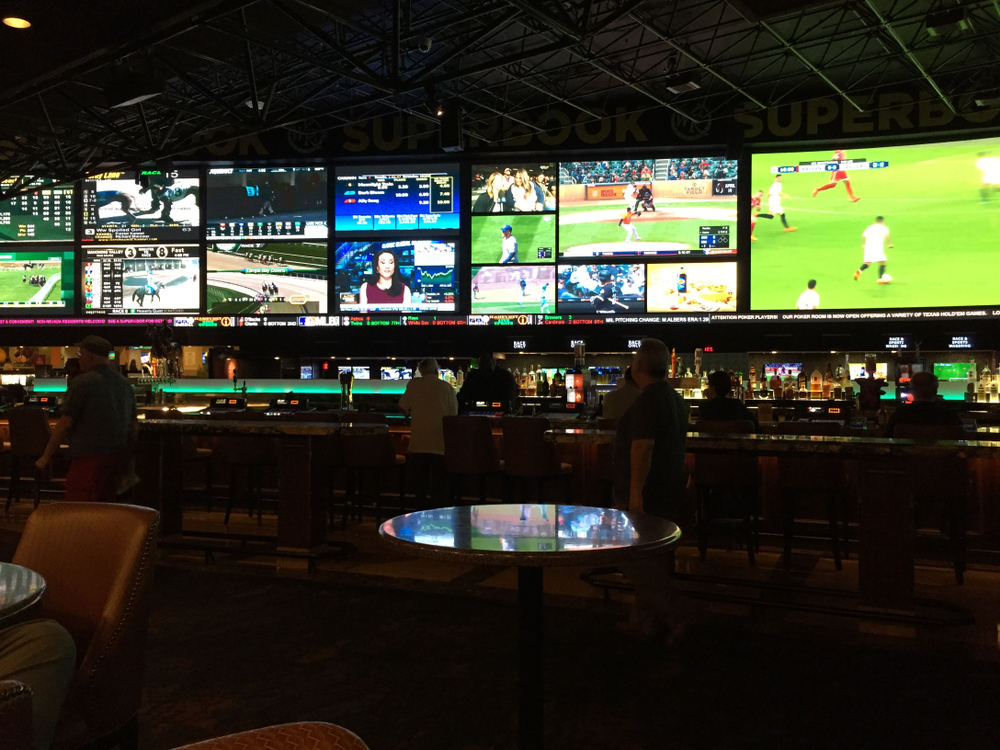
x: 417, y: 276
x: 695, y: 287
x: 518, y: 187
x: 604, y: 290
x: 520, y: 238
x: 955, y: 370
x: 138, y: 279
x: 40, y: 212
x: 863, y: 225
x: 514, y: 289
x: 391, y: 200
x: 648, y: 207
x: 857, y: 371
x: 250, y: 278
x: 40, y: 278
x: 148, y: 206
x: 782, y: 369
x: 359, y: 372
x: 265, y: 203
x: 396, y: 373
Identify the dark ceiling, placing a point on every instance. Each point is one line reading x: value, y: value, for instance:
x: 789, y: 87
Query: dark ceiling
x: 333, y: 62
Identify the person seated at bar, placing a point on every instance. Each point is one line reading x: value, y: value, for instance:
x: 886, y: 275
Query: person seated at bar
x: 926, y: 408
x: 488, y: 384
x: 720, y: 407
x: 427, y: 400
x: 620, y: 399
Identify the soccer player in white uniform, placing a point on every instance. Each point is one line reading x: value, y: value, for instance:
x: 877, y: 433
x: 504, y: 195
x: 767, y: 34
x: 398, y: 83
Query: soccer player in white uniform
x: 809, y: 299
x: 876, y: 238
x: 508, y: 252
x: 990, y: 167
x: 774, y: 206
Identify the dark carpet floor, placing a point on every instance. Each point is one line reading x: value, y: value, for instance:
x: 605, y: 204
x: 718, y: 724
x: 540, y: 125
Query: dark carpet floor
x: 410, y: 671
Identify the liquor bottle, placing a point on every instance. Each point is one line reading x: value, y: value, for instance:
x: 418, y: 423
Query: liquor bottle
x: 739, y: 376
x: 802, y: 380
x: 704, y: 380
x: 753, y: 378
x: 673, y: 363
x: 732, y: 376
x: 828, y: 378
x: 682, y: 281
x: 987, y: 377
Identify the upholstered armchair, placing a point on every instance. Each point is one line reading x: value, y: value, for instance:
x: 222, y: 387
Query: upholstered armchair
x: 15, y: 716
x: 300, y: 736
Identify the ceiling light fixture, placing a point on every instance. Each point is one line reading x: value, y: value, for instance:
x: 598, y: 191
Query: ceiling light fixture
x: 16, y: 22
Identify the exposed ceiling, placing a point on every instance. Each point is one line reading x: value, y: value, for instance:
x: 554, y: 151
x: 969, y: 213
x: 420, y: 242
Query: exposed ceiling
x: 334, y: 62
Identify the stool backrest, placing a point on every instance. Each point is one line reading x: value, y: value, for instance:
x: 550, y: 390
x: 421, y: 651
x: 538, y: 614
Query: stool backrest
x: 29, y: 432
x: 718, y: 470
x: 825, y: 428
x: 931, y: 432
x: 526, y: 452
x: 469, y: 446
x: 368, y: 451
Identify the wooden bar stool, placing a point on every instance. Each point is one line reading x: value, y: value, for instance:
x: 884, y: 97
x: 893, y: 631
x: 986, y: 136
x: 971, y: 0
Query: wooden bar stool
x: 469, y: 450
x: 718, y: 477
x: 371, y: 455
x: 803, y: 476
x: 29, y: 434
x: 530, y: 458
x: 247, y: 456
x: 328, y: 450
x: 945, y: 482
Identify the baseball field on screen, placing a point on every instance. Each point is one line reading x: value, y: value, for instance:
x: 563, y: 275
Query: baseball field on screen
x: 943, y: 223
x: 533, y: 231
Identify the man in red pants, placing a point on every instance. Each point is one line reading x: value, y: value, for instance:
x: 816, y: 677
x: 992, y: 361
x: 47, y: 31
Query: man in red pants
x: 99, y: 423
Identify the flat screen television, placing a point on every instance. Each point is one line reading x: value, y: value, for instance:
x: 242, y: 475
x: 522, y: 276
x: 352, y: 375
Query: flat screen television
x: 250, y: 278
x: 150, y: 205
x: 682, y: 206
x: 782, y: 369
x: 267, y: 203
x: 857, y: 371
x: 948, y: 371
x: 41, y: 211
x: 691, y: 287
x: 39, y: 278
x: 391, y: 372
x: 601, y: 289
x: 514, y: 187
x: 140, y: 279
x: 514, y: 289
x: 414, y: 277
x: 359, y: 372
x: 517, y: 238
x: 395, y: 199
x: 938, y: 203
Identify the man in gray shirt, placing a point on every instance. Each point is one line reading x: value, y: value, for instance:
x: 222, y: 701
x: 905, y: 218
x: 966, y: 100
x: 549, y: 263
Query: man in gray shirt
x: 99, y: 423
x: 649, y: 478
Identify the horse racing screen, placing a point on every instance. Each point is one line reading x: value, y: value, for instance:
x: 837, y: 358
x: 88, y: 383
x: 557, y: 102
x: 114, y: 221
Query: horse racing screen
x: 150, y: 205
x: 139, y: 279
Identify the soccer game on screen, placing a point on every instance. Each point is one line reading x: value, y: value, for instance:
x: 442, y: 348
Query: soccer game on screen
x: 876, y: 228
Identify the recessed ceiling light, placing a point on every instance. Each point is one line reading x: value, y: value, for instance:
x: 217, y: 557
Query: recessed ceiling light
x: 17, y: 23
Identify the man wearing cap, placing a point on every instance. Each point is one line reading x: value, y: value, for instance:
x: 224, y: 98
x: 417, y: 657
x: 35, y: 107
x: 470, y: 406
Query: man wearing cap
x: 99, y: 423
x: 508, y: 253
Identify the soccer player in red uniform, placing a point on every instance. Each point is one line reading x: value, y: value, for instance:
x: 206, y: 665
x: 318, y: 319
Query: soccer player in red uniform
x: 839, y: 176
x: 755, y: 200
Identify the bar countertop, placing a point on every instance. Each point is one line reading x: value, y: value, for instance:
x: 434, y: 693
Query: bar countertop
x: 266, y: 428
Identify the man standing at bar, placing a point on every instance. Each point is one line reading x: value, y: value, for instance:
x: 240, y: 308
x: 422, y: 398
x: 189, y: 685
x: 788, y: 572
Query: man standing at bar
x: 99, y: 422
x: 649, y: 478
x: 427, y: 400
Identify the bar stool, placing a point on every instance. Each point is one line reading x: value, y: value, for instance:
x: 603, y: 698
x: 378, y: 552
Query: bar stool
x: 191, y: 453
x: 802, y: 476
x: 945, y: 481
x: 720, y: 476
x: 370, y: 454
x: 606, y: 463
x: 29, y: 434
x: 469, y: 450
x: 328, y: 450
x: 529, y: 456
x: 248, y: 456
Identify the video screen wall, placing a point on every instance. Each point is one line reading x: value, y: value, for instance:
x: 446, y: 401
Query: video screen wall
x: 397, y: 200
x: 40, y: 210
x: 256, y: 278
x: 139, y: 279
x: 869, y: 228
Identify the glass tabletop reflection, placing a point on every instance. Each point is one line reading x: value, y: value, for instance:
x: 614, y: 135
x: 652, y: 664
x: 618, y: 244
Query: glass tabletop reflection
x: 20, y: 588
x: 533, y: 534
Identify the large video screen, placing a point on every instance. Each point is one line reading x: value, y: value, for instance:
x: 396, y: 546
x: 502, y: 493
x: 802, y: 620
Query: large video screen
x: 602, y: 289
x: 249, y: 278
x: 147, y: 206
x: 695, y: 287
x: 40, y: 212
x: 648, y: 207
x: 396, y: 199
x: 39, y: 278
x: 266, y: 203
x: 514, y: 238
x: 514, y: 289
x: 138, y: 279
x: 416, y: 276
x: 872, y: 227
x: 514, y: 187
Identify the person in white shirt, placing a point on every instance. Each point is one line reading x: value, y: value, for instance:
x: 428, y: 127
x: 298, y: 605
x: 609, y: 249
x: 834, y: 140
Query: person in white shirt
x: 809, y: 299
x: 990, y: 167
x: 427, y: 400
x: 629, y: 195
x: 876, y: 238
x: 774, y: 206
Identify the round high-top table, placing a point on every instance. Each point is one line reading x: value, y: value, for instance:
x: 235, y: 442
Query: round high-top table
x: 530, y: 537
x: 20, y: 589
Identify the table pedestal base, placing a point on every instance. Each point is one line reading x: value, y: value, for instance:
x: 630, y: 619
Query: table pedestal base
x: 531, y: 649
